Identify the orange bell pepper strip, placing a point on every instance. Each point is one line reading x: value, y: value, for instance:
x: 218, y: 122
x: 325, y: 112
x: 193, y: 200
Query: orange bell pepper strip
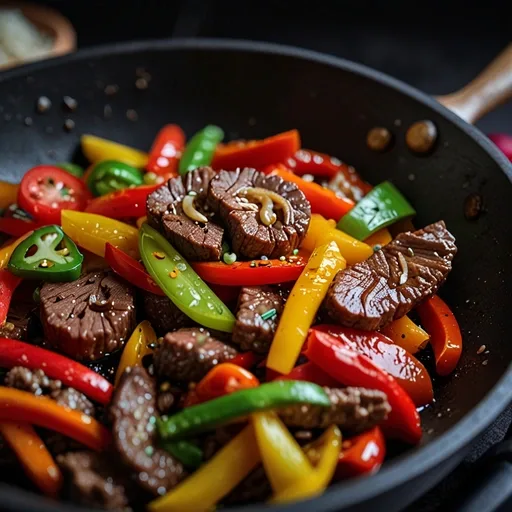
x: 256, y: 153
x: 406, y: 334
x: 380, y: 238
x: 33, y: 456
x: 138, y: 346
x: 223, y: 379
x: 326, y: 451
x: 445, y: 335
x: 322, y: 231
x: 214, y: 479
x: 302, y: 306
x: 323, y: 200
x: 22, y: 406
x: 8, y: 193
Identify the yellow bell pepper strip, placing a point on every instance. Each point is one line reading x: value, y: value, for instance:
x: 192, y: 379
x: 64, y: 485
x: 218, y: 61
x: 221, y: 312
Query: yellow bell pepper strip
x: 322, y: 231
x: 8, y: 193
x: 302, y: 305
x: 379, y: 239
x: 138, y: 346
x: 97, y: 149
x: 179, y: 281
x: 406, y: 334
x: 92, y: 232
x: 283, y: 459
x: 22, y: 406
x: 325, y: 452
x: 214, y: 479
x: 33, y: 456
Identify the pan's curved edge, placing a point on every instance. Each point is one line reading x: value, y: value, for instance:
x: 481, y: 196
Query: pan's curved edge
x: 457, y: 437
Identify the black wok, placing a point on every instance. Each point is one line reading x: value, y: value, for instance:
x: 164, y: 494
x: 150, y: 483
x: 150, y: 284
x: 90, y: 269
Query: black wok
x: 253, y: 90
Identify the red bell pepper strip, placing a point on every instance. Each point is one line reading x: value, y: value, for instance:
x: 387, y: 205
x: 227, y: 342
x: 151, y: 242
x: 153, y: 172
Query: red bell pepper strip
x: 252, y: 273
x: 445, y: 336
x: 306, y: 161
x: 71, y: 373
x: 256, y: 153
x: 223, y: 379
x: 22, y: 406
x: 8, y: 283
x: 17, y: 227
x: 323, y: 200
x: 354, y: 369
x: 362, y: 454
x: 246, y: 360
x: 130, y: 269
x: 166, y: 150
x: 128, y: 202
x: 404, y: 367
x: 310, y: 372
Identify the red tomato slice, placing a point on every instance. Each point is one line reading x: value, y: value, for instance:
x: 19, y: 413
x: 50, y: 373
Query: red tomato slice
x: 45, y: 190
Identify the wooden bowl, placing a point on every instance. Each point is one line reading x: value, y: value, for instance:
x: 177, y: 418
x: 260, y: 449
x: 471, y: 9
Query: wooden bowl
x: 51, y: 23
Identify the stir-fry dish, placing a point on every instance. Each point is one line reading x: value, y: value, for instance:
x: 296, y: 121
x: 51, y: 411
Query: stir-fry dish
x: 263, y: 305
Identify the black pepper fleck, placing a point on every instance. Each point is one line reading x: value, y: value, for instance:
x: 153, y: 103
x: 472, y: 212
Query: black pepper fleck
x: 28, y: 121
x: 69, y: 124
x: 111, y: 89
x: 141, y: 83
x: 473, y: 206
x: 132, y: 115
x: 69, y: 103
x: 43, y: 104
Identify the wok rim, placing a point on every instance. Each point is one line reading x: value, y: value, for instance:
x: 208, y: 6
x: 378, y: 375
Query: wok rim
x: 410, y: 465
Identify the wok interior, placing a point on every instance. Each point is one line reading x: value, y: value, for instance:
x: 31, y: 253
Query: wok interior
x: 253, y: 95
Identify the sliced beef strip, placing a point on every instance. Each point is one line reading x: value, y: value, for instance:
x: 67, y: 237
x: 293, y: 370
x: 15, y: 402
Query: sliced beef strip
x: 92, y: 480
x: 352, y: 409
x: 163, y: 315
x: 133, y: 414
x: 188, y: 355
x: 393, y: 280
x: 195, y: 241
x: 251, y: 332
x: 88, y: 318
x: 251, y: 238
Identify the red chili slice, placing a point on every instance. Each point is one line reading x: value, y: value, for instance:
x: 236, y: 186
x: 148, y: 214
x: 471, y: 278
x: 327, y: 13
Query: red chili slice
x: 45, y: 190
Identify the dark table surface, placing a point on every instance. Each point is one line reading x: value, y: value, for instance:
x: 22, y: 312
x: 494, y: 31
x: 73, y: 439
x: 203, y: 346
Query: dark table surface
x: 437, y: 46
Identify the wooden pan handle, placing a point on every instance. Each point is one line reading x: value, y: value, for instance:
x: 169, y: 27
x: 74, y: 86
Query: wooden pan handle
x: 491, y: 88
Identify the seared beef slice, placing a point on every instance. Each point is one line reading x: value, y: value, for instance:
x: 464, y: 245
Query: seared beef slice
x: 188, y: 355
x: 194, y: 240
x: 237, y: 196
x: 392, y: 281
x: 87, y: 318
x: 352, y: 409
x: 163, y: 315
x: 133, y: 413
x: 251, y: 332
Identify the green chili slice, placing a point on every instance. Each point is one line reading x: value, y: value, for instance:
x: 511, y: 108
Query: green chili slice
x: 382, y: 206
x: 218, y: 411
x: 180, y: 282
x: 47, y: 254
x: 111, y: 175
x: 200, y: 149
x: 190, y: 455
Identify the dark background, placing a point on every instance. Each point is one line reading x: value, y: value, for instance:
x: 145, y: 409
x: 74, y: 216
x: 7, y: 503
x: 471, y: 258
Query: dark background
x: 437, y: 46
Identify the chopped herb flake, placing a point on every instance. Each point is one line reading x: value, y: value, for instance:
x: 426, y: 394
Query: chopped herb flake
x: 270, y: 314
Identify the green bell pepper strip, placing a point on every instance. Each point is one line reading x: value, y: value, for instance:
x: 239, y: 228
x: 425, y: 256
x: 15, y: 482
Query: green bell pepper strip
x: 382, y: 206
x: 190, y: 455
x: 73, y: 169
x: 200, y: 149
x: 219, y: 411
x: 56, y: 258
x: 180, y: 282
x: 111, y: 175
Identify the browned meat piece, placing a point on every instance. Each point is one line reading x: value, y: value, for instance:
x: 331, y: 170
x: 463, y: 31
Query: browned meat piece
x: 251, y: 332
x: 237, y: 196
x: 38, y: 383
x: 194, y: 240
x: 352, y: 409
x: 88, y: 318
x: 256, y: 487
x: 133, y: 413
x: 73, y: 399
x: 163, y: 315
x: 188, y: 355
x: 90, y: 479
x: 20, y: 310
x: 392, y: 281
